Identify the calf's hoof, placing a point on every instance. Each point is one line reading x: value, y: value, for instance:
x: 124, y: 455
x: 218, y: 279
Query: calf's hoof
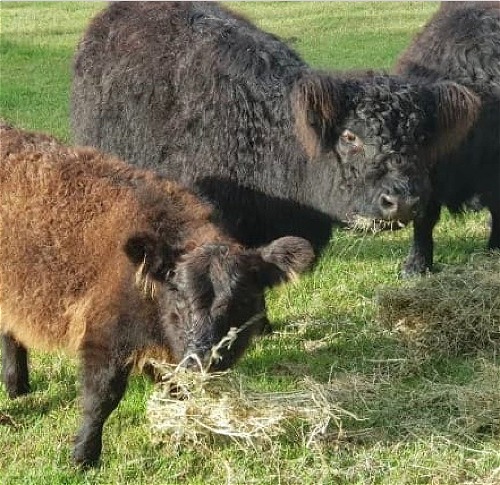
x: 16, y: 387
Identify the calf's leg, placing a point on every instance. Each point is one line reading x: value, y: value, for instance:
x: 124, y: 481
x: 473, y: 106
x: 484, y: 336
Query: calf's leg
x: 420, y: 258
x: 104, y: 383
x: 14, y: 367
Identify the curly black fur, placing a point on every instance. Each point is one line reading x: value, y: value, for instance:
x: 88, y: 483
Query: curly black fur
x: 203, y: 96
x: 461, y: 43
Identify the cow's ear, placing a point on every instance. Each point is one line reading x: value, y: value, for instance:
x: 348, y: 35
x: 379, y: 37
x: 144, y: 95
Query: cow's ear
x: 152, y: 257
x: 285, y: 258
x: 318, y: 104
x: 457, y: 109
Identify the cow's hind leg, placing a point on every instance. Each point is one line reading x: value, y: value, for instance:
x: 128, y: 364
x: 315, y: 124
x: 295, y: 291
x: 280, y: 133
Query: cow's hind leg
x: 14, y: 367
x: 104, y: 383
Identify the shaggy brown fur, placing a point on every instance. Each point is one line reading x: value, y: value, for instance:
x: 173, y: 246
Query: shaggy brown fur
x: 113, y: 262
x: 64, y: 223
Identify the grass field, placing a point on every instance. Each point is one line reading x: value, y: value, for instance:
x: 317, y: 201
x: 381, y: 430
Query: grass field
x: 431, y: 421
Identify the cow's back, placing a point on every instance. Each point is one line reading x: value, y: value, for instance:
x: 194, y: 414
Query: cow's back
x: 460, y: 43
x: 171, y: 87
x: 201, y: 95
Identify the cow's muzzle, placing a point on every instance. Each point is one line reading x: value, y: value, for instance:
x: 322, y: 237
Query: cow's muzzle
x: 398, y: 208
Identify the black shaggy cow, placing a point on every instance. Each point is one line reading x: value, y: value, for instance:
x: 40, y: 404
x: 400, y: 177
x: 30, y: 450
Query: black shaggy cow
x: 200, y: 94
x: 461, y: 43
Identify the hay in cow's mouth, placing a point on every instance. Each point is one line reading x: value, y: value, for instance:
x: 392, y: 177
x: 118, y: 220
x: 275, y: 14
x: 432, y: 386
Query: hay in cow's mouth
x: 374, y: 225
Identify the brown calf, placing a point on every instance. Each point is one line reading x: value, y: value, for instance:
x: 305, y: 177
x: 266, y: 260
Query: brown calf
x: 112, y: 263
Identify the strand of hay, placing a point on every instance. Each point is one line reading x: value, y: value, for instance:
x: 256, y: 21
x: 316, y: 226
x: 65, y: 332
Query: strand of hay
x: 455, y: 312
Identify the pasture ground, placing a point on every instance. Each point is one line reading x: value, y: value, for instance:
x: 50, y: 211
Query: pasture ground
x: 422, y: 421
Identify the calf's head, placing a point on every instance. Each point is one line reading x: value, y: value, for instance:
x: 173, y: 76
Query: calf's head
x: 385, y: 134
x: 215, y: 291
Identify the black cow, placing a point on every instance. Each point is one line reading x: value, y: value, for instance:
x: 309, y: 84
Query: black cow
x: 200, y: 94
x: 461, y: 43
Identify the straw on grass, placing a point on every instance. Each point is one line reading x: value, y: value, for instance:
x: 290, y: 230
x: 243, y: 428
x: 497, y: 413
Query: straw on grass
x: 455, y: 312
x: 195, y: 407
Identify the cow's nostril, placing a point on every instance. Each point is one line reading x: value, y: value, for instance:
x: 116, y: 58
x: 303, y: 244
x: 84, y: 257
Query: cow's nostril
x: 388, y: 204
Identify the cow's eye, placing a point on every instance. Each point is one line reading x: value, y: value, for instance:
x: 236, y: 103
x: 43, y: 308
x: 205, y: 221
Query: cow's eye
x: 350, y: 143
x: 349, y: 137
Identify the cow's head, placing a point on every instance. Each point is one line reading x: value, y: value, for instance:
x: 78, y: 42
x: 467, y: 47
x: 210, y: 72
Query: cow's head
x: 384, y: 133
x: 214, y: 292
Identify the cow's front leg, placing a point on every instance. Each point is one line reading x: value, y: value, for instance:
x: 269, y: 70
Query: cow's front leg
x: 14, y: 367
x: 104, y: 383
x: 494, y: 241
x: 420, y: 258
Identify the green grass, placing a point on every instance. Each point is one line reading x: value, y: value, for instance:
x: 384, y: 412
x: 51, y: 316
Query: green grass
x: 38, y: 41
x: 417, y: 416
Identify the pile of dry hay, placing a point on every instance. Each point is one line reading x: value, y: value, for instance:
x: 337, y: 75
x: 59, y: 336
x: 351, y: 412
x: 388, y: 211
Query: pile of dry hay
x: 454, y: 312
x: 193, y: 408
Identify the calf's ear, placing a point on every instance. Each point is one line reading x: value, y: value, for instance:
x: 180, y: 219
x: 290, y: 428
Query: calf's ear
x: 318, y: 105
x: 285, y: 258
x: 147, y: 252
x: 457, y: 109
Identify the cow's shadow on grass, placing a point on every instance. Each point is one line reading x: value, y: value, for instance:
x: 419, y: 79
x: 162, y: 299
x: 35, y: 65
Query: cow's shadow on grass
x: 256, y: 218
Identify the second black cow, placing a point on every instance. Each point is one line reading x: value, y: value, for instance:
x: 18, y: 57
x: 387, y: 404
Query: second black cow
x: 460, y: 43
